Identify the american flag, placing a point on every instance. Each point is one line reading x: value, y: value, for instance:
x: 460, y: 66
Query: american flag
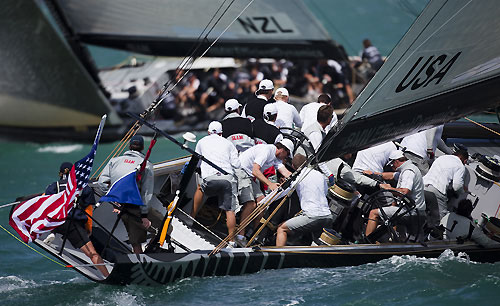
x: 42, y: 214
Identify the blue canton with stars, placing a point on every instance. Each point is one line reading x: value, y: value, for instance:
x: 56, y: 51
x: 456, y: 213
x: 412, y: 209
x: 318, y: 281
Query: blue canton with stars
x: 83, y: 168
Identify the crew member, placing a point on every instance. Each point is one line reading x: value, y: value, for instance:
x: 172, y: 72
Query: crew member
x: 316, y: 215
x: 255, y: 104
x: 420, y: 147
x: 222, y: 153
x: 287, y: 113
x: 135, y: 218
x: 410, y: 183
x: 446, y: 170
x: 309, y: 112
x: 341, y: 170
x: 236, y: 128
x: 74, y: 227
x: 253, y: 162
x: 265, y: 130
x: 373, y: 159
x: 317, y: 131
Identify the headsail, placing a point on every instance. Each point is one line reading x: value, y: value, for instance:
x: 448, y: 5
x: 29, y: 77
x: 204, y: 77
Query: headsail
x: 446, y: 66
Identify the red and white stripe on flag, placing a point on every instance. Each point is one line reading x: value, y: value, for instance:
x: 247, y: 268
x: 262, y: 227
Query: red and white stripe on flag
x: 44, y: 213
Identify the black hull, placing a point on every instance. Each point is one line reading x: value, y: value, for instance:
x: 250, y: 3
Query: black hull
x: 159, y: 269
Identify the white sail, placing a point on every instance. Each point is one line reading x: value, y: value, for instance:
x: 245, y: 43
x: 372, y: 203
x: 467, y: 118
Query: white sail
x: 445, y: 67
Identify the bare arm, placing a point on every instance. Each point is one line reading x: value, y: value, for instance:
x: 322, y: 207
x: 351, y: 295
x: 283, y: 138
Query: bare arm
x: 261, y: 177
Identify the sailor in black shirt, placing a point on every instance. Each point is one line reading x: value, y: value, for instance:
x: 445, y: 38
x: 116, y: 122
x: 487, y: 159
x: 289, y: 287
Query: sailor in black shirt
x: 255, y: 104
x: 235, y: 128
x: 265, y: 132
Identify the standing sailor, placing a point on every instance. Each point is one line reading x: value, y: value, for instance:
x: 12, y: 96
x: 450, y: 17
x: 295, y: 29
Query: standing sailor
x: 135, y: 218
x: 309, y: 112
x: 287, y: 113
x: 317, y: 130
x: 223, y: 153
x: 265, y: 130
x: 446, y: 170
x: 236, y: 128
x: 253, y: 162
x: 255, y: 104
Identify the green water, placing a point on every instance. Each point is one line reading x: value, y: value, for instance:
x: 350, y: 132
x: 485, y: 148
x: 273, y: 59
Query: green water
x: 28, y: 278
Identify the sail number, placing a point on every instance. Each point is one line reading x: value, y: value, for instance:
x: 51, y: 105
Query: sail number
x: 427, y: 71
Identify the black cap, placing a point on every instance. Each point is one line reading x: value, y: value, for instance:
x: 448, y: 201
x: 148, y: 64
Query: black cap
x: 459, y: 148
x: 137, y: 140
x: 136, y: 143
x: 65, y: 165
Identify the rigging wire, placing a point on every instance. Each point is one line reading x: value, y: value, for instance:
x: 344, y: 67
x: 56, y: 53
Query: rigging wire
x: 165, y: 91
x: 33, y: 249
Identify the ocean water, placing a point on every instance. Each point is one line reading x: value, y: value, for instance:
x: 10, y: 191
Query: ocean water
x: 26, y: 277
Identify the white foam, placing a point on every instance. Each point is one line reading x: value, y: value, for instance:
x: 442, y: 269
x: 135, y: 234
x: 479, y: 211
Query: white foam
x: 61, y: 149
x: 12, y: 282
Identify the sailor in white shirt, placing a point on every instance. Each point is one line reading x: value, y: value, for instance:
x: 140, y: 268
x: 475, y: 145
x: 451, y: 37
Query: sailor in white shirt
x: 288, y: 116
x: 446, y: 170
x: 317, y: 130
x: 435, y: 141
x: 253, y: 162
x: 373, y: 159
x: 410, y: 183
x: 222, y: 153
x: 312, y: 190
x: 341, y: 170
x: 309, y: 112
x: 421, y: 147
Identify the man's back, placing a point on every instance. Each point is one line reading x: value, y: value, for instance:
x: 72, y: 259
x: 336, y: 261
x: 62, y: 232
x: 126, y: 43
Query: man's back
x: 312, y: 190
x: 265, y: 133
x: 374, y: 158
x: 254, y: 108
x: 288, y: 115
x: 238, y: 130
x: 445, y: 169
x: 220, y: 151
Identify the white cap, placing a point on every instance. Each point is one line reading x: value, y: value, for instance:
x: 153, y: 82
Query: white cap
x: 283, y: 91
x: 396, y: 154
x: 270, y: 109
x: 288, y: 144
x: 188, y: 136
x: 231, y: 105
x: 266, y: 85
x: 215, y: 127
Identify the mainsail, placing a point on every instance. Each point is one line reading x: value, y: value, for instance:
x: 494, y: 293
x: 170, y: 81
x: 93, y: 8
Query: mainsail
x: 278, y: 28
x: 446, y: 66
x: 42, y: 83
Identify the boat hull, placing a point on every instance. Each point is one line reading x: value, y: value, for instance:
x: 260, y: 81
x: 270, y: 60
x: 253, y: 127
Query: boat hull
x: 159, y: 269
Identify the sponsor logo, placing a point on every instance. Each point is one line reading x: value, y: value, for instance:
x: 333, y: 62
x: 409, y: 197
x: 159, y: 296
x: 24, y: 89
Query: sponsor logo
x: 129, y: 161
x: 427, y: 70
x: 237, y: 137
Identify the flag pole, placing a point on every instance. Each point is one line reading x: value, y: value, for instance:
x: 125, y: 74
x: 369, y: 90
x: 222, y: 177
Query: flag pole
x: 145, y: 160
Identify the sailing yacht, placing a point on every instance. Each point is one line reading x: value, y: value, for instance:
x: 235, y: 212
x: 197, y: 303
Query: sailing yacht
x: 444, y: 68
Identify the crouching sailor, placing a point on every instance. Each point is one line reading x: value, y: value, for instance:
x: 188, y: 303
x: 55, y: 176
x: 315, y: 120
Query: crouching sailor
x: 312, y: 190
x: 135, y: 218
x: 74, y: 227
x: 223, y: 153
x: 410, y: 183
